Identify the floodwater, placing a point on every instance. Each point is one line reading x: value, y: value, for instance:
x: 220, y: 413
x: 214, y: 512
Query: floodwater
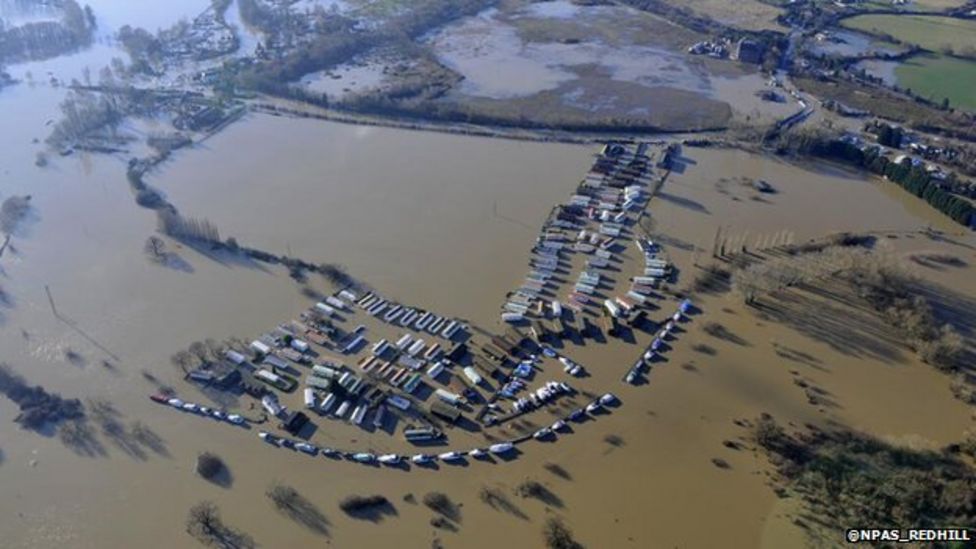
x: 596, y: 58
x: 437, y: 221
x: 497, y: 63
x: 885, y: 70
x: 249, y: 37
x: 851, y: 43
x: 346, y: 79
x: 152, y: 16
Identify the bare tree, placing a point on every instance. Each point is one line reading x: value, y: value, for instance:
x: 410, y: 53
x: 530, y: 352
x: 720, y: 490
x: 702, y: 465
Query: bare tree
x: 155, y: 249
x: 204, y: 523
x: 182, y: 360
x: 199, y: 350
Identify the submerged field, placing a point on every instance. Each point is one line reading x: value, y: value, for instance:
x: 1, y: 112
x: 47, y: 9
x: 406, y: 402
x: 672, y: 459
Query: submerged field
x: 447, y: 222
x: 562, y: 62
x: 443, y: 222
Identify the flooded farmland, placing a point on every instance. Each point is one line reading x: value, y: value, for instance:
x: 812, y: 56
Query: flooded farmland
x: 446, y: 222
x: 557, y: 58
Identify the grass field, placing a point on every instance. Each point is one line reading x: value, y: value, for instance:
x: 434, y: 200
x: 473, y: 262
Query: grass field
x: 938, y: 77
x: 744, y: 14
x: 917, y: 5
x: 930, y: 32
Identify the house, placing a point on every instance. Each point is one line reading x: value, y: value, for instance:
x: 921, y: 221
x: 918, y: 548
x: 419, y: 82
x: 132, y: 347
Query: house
x: 260, y: 347
x: 294, y: 422
x: 749, y: 51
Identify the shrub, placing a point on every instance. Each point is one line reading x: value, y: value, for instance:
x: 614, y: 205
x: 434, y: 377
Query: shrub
x: 558, y: 536
x: 440, y: 503
x: 354, y: 504
x: 209, y: 465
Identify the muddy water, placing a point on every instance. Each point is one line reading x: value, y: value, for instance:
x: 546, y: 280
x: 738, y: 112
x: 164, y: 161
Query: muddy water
x: 405, y: 211
x: 439, y: 221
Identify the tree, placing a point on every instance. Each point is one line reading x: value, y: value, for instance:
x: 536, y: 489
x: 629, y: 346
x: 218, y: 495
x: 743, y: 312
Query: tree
x: 199, y: 350
x: 558, y: 536
x: 13, y: 210
x: 182, y: 360
x: 155, y: 249
x: 203, y: 522
x: 210, y: 466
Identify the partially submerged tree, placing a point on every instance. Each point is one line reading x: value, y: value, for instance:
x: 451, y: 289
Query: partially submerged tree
x: 558, y: 536
x: 12, y: 211
x: 155, y: 249
x: 204, y: 523
x: 210, y: 466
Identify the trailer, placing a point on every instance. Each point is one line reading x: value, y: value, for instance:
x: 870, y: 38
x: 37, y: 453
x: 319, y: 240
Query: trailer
x: 336, y: 302
x: 472, y: 375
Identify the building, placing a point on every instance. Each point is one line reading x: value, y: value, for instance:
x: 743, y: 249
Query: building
x: 749, y: 51
x: 444, y: 411
x: 294, y: 422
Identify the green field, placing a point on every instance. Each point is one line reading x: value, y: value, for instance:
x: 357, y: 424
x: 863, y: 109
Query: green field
x: 930, y: 32
x: 940, y: 76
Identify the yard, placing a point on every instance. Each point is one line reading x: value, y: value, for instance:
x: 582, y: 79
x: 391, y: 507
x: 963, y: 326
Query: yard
x: 933, y: 33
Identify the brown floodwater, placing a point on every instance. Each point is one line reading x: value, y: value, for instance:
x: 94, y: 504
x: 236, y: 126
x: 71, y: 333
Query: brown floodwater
x: 438, y: 221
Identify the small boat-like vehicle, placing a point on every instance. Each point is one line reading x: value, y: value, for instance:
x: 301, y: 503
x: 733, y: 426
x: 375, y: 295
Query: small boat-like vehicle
x: 450, y: 456
x: 421, y: 459
x: 478, y: 453
x: 364, y: 457
x: 608, y: 399
x: 309, y: 449
x: 501, y: 448
x: 389, y: 459
x: 235, y: 419
x: 268, y: 437
x: 545, y: 432
x: 593, y: 406
x: 558, y: 425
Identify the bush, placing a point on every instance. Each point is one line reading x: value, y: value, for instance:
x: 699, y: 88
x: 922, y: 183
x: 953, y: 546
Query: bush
x: 945, y: 352
x: 355, y: 504
x: 209, y: 465
x: 149, y: 198
x: 13, y: 210
x: 845, y: 478
x: 558, y: 536
x: 440, y: 503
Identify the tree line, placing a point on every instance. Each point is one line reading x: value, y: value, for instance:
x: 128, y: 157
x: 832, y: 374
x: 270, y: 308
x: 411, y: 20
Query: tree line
x: 913, y: 178
x: 46, y: 39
